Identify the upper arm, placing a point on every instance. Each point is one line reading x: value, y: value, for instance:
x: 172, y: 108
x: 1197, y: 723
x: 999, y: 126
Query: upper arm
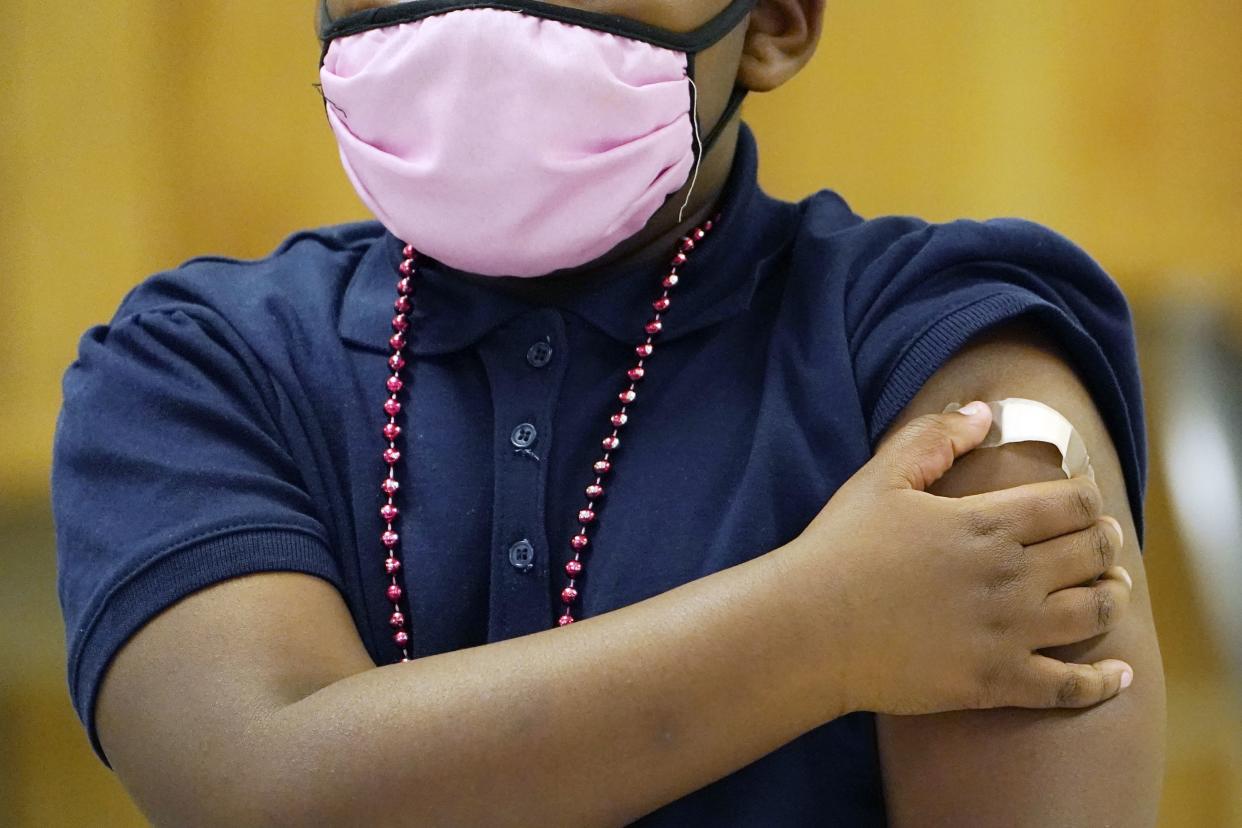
x: 1096, y: 766
x: 199, y: 585
x: 178, y: 702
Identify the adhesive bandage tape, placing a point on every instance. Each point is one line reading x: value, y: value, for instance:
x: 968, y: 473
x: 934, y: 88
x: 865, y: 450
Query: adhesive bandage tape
x: 1016, y: 419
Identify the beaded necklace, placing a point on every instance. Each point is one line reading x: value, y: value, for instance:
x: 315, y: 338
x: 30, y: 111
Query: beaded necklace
x: 587, y: 516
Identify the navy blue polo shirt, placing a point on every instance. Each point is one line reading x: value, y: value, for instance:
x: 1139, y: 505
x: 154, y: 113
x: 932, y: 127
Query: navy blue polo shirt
x: 227, y: 420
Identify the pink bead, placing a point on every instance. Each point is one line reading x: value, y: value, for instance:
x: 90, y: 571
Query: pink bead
x: 707, y: 225
x: 610, y: 443
x: 402, y: 305
x: 391, y: 565
x: 654, y: 327
x: 661, y: 304
x: 698, y: 234
x: 628, y: 396
x: 395, y: 384
x: 392, y: 408
x: 408, y: 252
x: 687, y: 244
x: 679, y: 260
x: 405, y: 268
x: 573, y: 569
x: 396, y: 362
x: 389, y: 512
x: 565, y: 620
x: 636, y: 373
x: 406, y: 286
x: 397, y: 341
x: 397, y: 620
x: 402, y: 638
x: 390, y: 539
x: 568, y: 594
x: 400, y: 322
x: 671, y: 280
x: 391, y: 456
x: 394, y: 593
x: 602, y: 467
x: 579, y: 542
x: 390, y: 485
x: 594, y: 490
x: 645, y: 350
x: 392, y: 431
x: 619, y: 419
x: 586, y: 516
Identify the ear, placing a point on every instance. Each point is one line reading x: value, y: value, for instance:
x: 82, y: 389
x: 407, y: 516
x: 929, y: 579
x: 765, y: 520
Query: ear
x: 780, y: 39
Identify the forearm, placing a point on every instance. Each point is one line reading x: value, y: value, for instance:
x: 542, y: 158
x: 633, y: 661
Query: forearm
x: 595, y: 723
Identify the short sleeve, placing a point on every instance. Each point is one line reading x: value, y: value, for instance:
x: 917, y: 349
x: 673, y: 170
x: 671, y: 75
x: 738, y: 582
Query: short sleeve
x: 933, y: 288
x: 168, y: 474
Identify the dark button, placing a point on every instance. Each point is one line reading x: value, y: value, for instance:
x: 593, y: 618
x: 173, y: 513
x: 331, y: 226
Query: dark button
x: 540, y: 354
x: 524, y: 435
x: 522, y: 556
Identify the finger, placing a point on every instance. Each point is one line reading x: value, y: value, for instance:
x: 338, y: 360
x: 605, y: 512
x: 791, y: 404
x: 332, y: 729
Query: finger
x: 1035, y: 512
x: 1078, y: 558
x: 1077, y: 614
x: 1052, y: 683
x: 925, y: 448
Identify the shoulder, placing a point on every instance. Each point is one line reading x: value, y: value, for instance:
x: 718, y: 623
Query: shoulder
x: 907, y: 292
x: 304, y: 276
x: 905, y: 295
x: 870, y: 255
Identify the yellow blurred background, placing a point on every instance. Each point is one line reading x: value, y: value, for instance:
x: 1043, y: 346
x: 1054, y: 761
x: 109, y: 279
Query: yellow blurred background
x: 138, y: 134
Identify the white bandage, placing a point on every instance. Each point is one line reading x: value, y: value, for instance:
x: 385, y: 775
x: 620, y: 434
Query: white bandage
x: 1015, y: 419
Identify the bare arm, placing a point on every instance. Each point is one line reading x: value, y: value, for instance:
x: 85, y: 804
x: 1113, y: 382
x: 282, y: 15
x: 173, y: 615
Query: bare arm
x: 254, y: 702
x: 1096, y: 766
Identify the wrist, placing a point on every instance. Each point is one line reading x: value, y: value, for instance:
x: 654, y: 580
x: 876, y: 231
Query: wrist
x: 811, y: 627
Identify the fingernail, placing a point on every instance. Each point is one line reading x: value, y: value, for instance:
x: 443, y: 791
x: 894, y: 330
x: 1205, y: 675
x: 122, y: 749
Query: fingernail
x: 1125, y: 575
x: 1121, y: 538
x: 1127, y: 676
x: 972, y: 408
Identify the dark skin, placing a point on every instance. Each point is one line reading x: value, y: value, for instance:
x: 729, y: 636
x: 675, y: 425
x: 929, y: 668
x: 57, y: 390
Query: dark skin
x: 688, y: 686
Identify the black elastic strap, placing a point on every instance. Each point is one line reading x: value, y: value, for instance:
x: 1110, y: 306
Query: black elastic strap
x: 735, y: 103
x: 690, y: 42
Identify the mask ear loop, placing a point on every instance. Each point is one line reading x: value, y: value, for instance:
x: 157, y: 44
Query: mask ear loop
x: 698, y: 143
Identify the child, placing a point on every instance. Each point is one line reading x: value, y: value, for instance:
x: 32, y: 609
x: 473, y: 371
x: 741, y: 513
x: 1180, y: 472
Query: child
x: 589, y: 484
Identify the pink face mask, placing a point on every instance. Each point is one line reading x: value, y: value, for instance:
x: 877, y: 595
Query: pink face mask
x: 515, y: 138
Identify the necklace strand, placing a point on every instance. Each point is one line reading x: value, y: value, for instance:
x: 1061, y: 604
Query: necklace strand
x: 587, y: 516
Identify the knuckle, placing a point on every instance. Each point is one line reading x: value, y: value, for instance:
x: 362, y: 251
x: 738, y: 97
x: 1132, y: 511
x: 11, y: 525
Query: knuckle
x: 1104, y: 607
x: 913, y: 432
x: 989, y: 682
x: 1101, y: 548
x: 1070, y: 689
x: 927, y: 428
x: 1009, y: 570
x: 999, y: 625
x: 1086, y: 502
x: 932, y: 425
x: 981, y: 521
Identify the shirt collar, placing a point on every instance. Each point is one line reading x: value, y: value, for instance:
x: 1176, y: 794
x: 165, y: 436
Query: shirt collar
x: 718, y: 281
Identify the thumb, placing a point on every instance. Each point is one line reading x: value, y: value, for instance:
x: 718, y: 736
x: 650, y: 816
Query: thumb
x: 1054, y: 684
x: 925, y: 448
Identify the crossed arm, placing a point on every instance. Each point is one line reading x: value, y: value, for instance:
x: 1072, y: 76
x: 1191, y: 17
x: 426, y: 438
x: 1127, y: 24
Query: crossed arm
x: 1026, y: 768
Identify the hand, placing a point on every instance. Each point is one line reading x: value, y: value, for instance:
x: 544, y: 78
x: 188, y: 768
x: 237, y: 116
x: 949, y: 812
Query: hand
x: 939, y: 603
